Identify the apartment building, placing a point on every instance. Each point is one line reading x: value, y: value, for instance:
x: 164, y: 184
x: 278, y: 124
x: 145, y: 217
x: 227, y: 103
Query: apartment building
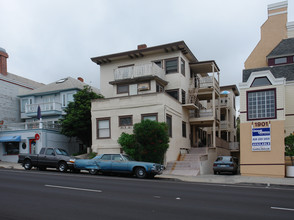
x: 266, y: 102
x: 21, y: 131
x: 165, y: 83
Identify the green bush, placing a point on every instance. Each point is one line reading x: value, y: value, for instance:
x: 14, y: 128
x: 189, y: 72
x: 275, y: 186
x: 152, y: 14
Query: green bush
x: 289, y: 147
x: 149, y: 141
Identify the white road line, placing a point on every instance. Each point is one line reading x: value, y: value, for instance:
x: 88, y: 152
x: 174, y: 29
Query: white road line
x: 285, y: 209
x: 73, y: 188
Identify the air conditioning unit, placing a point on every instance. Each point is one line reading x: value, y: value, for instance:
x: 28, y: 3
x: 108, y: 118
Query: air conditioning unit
x: 143, y: 86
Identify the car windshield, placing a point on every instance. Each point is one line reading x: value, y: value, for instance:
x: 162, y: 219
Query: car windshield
x: 61, y: 152
x: 127, y: 157
x: 225, y: 159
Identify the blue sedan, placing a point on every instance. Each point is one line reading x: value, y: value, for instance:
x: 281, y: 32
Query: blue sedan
x: 118, y: 163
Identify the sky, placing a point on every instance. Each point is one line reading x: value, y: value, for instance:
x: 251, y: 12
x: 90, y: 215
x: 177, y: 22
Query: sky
x: 48, y: 40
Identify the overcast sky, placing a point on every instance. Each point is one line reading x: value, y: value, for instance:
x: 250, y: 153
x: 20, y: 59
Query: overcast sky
x: 47, y: 40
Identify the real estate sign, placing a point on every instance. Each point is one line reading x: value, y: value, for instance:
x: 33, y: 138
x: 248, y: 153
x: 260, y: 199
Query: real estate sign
x: 261, y: 136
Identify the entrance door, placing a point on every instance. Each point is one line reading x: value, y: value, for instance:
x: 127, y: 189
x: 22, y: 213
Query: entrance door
x: 33, y: 146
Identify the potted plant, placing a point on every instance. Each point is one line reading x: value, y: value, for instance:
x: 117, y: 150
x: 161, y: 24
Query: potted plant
x: 289, y: 151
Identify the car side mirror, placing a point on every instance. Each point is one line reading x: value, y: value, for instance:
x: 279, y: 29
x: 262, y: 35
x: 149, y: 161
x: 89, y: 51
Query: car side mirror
x: 53, y: 154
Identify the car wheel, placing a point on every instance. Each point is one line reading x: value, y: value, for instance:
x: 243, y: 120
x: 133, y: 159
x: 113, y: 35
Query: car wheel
x: 140, y: 172
x: 62, y: 167
x: 27, y: 164
x: 93, y: 171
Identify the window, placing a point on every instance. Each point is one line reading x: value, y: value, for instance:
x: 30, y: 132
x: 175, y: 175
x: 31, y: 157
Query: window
x: 125, y: 120
x: 66, y: 98
x: 171, y: 65
x: 106, y: 157
x: 158, y: 63
x: 50, y: 151
x: 24, y: 102
x: 261, y: 81
x: 159, y: 88
x: 11, y: 148
x: 173, y: 93
x: 151, y: 117
x: 169, y: 124
x: 122, y: 89
x: 184, y: 131
x: 183, y: 97
x: 261, y: 104
x: 103, y: 128
x: 144, y: 86
x: 281, y: 60
x: 116, y: 157
x: 182, y: 66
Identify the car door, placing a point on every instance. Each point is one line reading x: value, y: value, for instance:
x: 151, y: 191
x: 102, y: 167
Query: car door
x: 118, y: 164
x: 105, y: 162
x: 50, y: 158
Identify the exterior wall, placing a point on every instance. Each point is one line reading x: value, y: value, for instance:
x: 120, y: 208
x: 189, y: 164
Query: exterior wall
x: 269, y: 163
x: 272, y: 32
x: 289, y: 108
x: 160, y: 103
x: 9, y: 102
x: 47, y: 139
x: 174, y: 79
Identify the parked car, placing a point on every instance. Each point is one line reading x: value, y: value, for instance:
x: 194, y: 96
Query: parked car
x: 225, y: 164
x: 48, y: 157
x: 119, y: 163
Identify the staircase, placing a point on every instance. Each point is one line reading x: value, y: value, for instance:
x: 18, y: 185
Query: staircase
x: 188, y: 164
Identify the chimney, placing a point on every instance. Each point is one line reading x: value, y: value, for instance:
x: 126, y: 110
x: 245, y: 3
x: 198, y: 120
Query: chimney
x: 3, y: 61
x: 81, y: 79
x: 277, y: 8
x: 142, y: 46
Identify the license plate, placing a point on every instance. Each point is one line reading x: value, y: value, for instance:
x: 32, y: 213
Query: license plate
x: 223, y: 165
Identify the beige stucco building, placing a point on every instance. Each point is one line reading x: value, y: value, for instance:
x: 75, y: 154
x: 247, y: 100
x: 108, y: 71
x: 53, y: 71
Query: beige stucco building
x: 266, y: 97
x: 165, y: 83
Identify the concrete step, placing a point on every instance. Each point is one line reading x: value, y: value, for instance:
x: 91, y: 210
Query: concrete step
x: 182, y: 172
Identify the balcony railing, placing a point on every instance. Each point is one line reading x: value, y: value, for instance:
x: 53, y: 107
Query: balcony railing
x: 50, y: 106
x: 234, y: 146
x: 225, y: 125
x: 49, y: 125
x: 207, y: 82
x: 203, y: 113
x: 138, y: 71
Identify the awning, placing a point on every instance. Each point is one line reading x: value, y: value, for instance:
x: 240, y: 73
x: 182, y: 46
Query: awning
x: 10, y: 139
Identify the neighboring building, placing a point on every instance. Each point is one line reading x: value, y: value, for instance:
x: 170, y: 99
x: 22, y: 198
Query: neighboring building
x: 165, y: 83
x: 228, y: 115
x: 20, y: 129
x: 10, y: 86
x: 266, y: 101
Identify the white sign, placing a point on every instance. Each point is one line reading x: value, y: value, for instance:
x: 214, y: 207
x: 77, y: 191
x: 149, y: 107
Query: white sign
x: 261, y: 139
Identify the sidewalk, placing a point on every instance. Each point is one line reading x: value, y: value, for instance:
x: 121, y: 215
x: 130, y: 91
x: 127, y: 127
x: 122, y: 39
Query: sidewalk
x: 208, y: 178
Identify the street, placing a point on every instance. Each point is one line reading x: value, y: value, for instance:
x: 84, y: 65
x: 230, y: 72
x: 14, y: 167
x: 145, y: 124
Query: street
x: 53, y: 195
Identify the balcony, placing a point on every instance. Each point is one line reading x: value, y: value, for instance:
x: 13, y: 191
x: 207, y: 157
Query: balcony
x: 49, y: 125
x: 203, y: 118
x: 139, y: 71
x: 206, y: 86
x: 50, y: 108
x: 225, y: 125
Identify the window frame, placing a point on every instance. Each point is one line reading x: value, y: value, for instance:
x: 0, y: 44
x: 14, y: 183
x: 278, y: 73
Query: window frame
x: 261, y: 90
x: 97, y: 127
x: 280, y: 60
x: 149, y: 114
x: 184, y: 129
x: 128, y: 91
x: 183, y: 93
x: 182, y: 64
x: 173, y: 70
x: 123, y: 117
x: 170, y: 128
x: 172, y: 90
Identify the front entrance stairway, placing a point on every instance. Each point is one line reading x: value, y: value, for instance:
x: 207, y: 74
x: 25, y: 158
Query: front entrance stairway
x: 188, y: 163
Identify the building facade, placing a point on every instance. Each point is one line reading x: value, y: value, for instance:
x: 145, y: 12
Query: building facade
x: 266, y: 103
x: 165, y: 83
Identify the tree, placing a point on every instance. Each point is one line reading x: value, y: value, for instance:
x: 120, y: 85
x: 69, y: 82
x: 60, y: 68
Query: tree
x: 238, y: 129
x: 289, y: 147
x: 149, y: 141
x: 77, y: 121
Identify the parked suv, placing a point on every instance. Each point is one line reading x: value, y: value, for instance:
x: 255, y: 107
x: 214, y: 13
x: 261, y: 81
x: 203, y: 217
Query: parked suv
x: 225, y: 164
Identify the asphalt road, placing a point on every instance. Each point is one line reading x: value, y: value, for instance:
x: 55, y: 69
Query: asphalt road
x: 52, y: 195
